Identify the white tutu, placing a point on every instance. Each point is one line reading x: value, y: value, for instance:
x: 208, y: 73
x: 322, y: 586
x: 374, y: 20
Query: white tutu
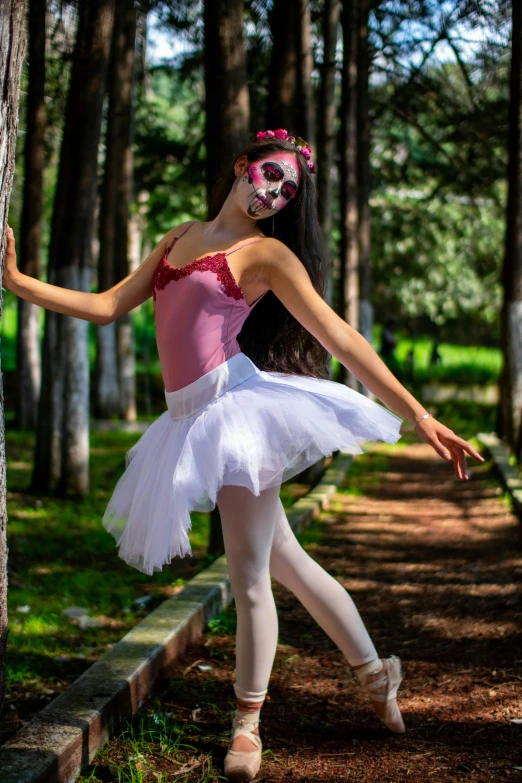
x: 238, y: 425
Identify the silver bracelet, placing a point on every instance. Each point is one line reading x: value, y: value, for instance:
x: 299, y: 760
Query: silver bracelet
x: 425, y: 416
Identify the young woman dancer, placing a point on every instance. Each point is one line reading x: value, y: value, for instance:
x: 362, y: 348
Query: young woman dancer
x: 243, y: 342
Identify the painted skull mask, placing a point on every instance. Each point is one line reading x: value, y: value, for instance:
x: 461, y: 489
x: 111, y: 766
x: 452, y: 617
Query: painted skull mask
x: 268, y: 184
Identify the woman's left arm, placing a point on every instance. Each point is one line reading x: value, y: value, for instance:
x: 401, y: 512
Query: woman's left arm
x: 288, y: 278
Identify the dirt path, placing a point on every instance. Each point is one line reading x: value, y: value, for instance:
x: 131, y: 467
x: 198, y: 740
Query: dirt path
x: 434, y: 566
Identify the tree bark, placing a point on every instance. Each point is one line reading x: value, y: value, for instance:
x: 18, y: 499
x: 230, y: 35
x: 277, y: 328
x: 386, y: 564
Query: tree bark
x: 326, y: 134
x: 305, y: 98
x: 28, y: 363
x: 62, y: 447
x: 227, y: 118
x: 363, y: 178
x: 115, y: 381
x: 142, y: 72
x: 510, y: 411
x: 12, y: 50
x: 290, y: 96
x: 349, y: 271
x: 226, y: 91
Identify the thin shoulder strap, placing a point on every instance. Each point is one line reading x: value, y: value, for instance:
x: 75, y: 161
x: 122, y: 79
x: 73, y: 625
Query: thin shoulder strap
x: 179, y: 237
x: 251, y: 242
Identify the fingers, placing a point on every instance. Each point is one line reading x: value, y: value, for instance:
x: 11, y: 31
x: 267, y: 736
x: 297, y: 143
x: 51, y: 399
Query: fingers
x: 458, y: 471
x: 453, y: 452
x: 439, y: 447
x: 450, y: 446
x: 463, y: 444
x: 459, y: 460
x: 471, y: 451
x: 10, y: 240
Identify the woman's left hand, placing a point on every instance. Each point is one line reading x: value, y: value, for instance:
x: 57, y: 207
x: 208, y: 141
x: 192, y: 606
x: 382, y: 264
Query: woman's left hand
x: 447, y: 444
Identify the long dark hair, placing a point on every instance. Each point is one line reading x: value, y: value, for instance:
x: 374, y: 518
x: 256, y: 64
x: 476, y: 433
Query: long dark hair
x: 271, y: 336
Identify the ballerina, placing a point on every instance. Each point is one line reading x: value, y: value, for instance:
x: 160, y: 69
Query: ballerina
x: 243, y: 335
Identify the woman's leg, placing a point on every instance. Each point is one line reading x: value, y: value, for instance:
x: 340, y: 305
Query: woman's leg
x: 248, y: 523
x: 322, y: 596
x: 332, y: 608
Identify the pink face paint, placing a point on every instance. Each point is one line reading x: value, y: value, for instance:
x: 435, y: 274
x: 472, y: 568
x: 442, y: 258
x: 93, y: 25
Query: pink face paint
x: 269, y: 184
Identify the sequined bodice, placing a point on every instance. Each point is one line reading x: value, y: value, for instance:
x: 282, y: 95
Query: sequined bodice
x: 199, y: 310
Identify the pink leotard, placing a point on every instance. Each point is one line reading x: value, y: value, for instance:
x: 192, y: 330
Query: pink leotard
x: 199, y: 310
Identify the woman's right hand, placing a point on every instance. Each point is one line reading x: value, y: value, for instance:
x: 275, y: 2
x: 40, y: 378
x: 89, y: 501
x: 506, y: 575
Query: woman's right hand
x: 10, y: 268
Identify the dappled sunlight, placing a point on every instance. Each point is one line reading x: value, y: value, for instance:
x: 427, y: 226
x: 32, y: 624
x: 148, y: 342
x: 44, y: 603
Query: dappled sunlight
x: 463, y: 628
x: 26, y: 513
x: 18, y: 465
x: 439, y: 591
x: 34, y: 627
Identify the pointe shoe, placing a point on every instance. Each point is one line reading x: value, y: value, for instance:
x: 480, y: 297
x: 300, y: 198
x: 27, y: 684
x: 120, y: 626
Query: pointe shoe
x: 391, y: 678
x: 242, y: 766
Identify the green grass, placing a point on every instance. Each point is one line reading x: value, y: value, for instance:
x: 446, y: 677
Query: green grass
x: 156, y: 746
x: 459, y: 364
x: 60, y: 556
x: 466, y: 365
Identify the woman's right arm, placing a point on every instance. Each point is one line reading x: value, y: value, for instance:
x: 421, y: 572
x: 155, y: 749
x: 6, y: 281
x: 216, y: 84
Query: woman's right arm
x: 102, y: 308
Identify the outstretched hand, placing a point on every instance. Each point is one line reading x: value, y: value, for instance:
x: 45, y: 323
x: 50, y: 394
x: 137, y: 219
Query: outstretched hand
x: 447, y: 444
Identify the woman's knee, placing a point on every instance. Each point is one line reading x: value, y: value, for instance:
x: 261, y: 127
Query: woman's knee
x: 288, y: 561
x: 250, y: 588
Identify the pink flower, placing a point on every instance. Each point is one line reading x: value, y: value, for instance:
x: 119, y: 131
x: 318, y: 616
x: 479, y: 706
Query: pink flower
x: 270, y: 134
x: 261, y: 136
x: 299, y: 148
x: 306, y: 152
x: 281, y: 133
x: 311, y: 166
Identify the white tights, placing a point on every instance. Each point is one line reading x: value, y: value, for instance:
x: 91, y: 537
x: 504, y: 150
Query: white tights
x: 259, y: 542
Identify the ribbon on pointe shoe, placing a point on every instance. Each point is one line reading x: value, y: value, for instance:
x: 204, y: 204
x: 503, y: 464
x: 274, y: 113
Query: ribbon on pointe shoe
x: 241, y: 765
x: 392, y: 677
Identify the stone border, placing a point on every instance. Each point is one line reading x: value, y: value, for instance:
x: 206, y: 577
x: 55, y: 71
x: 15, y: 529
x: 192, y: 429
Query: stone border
x: 61, y: 740
x: 509, y: 474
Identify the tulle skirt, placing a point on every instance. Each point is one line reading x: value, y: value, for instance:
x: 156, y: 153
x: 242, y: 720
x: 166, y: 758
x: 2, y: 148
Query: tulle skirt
x: 237, y: 425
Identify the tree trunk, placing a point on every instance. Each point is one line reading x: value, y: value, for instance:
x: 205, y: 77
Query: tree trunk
x: 305, y: 118
x: 282, y: 98
x: 226, y: 91
x: 126, y: 367
x: 349, y: 271
x: 138, y: 250
x: 12, y: 50
x: 62, y: 447
x: 326, y: 134
x: 28, y: 365
x: 363, y: 178
x: 115, y: 395
x: 142, y: 72
x: 227, y: 117
x: 216, y: 545
x: 290, y: 95
x: 511, y: 316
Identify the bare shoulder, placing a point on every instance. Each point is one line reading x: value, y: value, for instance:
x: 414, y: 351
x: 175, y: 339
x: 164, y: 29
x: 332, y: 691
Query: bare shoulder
x: 274, y: 259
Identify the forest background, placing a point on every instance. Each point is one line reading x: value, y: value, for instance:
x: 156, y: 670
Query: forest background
x: 412, y: 119
x: 417, y: 139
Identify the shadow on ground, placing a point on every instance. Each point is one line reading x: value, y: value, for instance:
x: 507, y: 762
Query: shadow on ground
x: 434, y: 566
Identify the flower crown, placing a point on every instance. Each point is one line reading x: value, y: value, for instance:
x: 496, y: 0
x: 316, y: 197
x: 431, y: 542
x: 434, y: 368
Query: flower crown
x: 300, y: 144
